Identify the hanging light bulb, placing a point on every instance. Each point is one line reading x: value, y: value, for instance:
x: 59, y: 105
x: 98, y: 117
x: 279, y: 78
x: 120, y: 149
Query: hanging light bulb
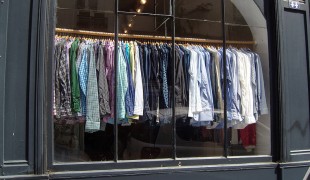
x: 129, y: 25
x: 138, y: 10
x: 143, y: 1
x: 125, y: 31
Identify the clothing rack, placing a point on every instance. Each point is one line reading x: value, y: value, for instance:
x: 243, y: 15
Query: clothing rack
x: 149, y: 37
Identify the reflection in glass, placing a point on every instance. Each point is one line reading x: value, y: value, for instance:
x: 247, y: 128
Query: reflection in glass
x: 145, y: 6
x: 88, y: 5
x: 145, y: 114
x: 91, y: 15
x: 144, y: 25
x: 83, y: 84
x: 198, y: 29
x: 198, y: 9
x: 246, y: 23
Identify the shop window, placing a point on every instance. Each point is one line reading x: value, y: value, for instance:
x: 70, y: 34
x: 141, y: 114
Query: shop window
x: 140, y: 100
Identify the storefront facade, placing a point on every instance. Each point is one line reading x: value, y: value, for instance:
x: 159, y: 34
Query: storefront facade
x: 171, y: 137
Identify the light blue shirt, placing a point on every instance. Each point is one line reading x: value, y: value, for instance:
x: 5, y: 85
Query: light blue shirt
x: 205, y: 87
x: 122, y: 85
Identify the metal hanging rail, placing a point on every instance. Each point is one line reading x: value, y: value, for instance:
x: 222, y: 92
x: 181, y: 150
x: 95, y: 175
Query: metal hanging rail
x: 149, y: 37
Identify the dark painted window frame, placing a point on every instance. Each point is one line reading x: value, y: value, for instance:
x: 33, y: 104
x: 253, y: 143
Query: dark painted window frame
x: 265, y: 161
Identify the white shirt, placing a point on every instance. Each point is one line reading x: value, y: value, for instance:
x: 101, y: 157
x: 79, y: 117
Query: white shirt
x: 246, y: 89
x: 194, y: 89
x: 139, y: 103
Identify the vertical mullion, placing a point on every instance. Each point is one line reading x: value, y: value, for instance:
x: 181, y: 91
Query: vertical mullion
x: 225, y: 80
x: 4, y: 13
x: 49, y: 123
x: 172, y: 11
x: 39, y: 95
x: 115, y: 79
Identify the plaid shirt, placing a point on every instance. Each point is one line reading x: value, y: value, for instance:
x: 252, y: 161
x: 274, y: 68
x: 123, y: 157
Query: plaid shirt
x: 103, y: 88
x: 92, y: 103
x: 83, y: 74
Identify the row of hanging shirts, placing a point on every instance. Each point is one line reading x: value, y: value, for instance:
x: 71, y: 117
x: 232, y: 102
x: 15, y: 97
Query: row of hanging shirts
x: 85, y: 83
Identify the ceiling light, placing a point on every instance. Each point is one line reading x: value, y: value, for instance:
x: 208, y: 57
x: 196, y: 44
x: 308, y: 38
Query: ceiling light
x: 125, y: 31
x: 143, y: 1
x: 129, y: 25
x: 138, y: 10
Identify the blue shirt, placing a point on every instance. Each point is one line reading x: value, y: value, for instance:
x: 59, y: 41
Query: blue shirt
x: 130, y: 93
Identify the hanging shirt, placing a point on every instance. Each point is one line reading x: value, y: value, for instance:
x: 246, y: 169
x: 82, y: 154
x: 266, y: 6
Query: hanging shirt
x: 132, y: 60
x: 122, y: 82
x: 234, y: 68
x: 228, y: 80
x: 92, y: 103
x: 261, y: 96
x: 139, y: 104
x: 246, y: 91
x: 163, y: 62
x: 251, y: 57
x: 79, y: 56
x: 109, y: 57
x: 103, y: 88
x: 186, y: 62
x: 194, y: 89
x: 205, y: 88
x: 154, y: 82
x: 75, y: 88
x: 83, y: 76
x: 130, y: 93
x: 64, y: 81
x: 145, y: 61
x: 216, y: 82
x: 180, y: 85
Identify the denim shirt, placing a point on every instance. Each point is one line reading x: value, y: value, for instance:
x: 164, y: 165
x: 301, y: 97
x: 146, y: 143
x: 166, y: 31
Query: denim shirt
x: 186, y: 61
x: 261, y: 96
x: 228, y: 82
x: 130, y: 93
x: 145, y: 61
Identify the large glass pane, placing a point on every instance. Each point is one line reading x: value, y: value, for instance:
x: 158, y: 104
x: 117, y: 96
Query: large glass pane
x: 145, y: 130
x: 83, y: 82
x: 248, y: 81
x: 146, y: 6
x: 198, y: 88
